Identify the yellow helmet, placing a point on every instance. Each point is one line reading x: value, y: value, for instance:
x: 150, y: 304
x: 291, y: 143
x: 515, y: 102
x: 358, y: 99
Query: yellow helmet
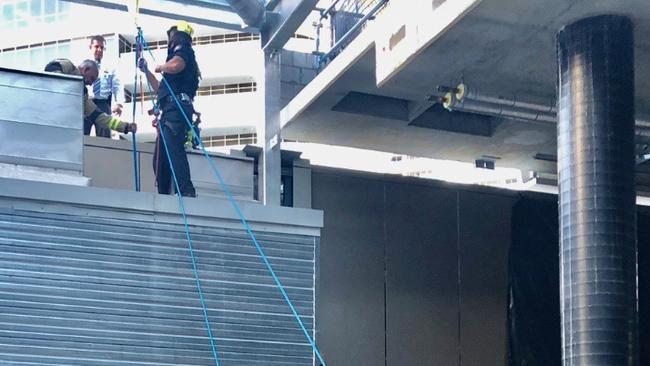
x: 183, y: 26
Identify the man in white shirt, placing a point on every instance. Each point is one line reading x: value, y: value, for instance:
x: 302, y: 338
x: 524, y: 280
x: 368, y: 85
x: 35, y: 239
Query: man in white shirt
x: 107, y: 89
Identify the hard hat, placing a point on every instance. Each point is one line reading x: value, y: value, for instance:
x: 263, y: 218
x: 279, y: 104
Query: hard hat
x: 183, y: 26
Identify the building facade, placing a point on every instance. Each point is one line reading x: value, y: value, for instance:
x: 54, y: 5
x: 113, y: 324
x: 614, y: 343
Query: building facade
x: 231, y: 63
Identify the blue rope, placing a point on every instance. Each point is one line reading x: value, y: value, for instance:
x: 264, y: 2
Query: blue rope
x: 136, y: 175
x: 242, y: 218
x: 135, y: 165
x: 181, y: 205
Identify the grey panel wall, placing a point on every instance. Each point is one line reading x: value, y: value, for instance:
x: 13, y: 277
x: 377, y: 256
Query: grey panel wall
x: 41, y: 119
x: 444, y: 251
x: 82, y: 284
x: 351, y: 286
x: 484, y: 240
x: 422, y: 276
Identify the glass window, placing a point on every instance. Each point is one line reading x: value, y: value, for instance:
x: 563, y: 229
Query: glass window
x: 22, y: 59
x: 21, y: 8
x: 36, y: 58
x: 7, y: 59
x: 50, y: 7
x: 36, y: 8
x: 22, y: 14
x: 111, y: 48
x: 64, y: 6
x: 8, y: 12
x: 79, y: 49
x: 63, y: 50
x: 49, y: 53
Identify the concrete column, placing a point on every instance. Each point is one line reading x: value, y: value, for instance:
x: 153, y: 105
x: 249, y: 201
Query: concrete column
x: 269, y: 190
x: 597, y: 198
x: 301, y: 183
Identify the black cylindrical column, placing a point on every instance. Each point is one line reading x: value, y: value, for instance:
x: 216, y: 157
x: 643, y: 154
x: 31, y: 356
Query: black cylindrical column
x: 596, y: 192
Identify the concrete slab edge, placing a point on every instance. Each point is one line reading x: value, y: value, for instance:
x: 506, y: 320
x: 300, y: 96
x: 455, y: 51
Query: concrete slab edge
x: 143, y: 206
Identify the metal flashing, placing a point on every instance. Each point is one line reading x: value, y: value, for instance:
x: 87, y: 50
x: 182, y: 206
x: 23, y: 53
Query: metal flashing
x: 113, y: 203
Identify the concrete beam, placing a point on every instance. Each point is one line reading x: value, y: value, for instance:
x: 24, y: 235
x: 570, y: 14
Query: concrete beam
x: 269, y: 191
x: 128, y: 205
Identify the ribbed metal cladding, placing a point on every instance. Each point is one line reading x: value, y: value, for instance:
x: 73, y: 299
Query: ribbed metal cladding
x: 597, y: 198
x: 78, y: 290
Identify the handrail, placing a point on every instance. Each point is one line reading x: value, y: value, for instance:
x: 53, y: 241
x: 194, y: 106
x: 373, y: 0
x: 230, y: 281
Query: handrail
x: 323, y: 58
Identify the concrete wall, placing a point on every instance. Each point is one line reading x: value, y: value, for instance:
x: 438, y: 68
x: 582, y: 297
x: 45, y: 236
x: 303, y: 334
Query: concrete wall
x: 109, y: 164
x: 297, y: 70
x: 413, y: 273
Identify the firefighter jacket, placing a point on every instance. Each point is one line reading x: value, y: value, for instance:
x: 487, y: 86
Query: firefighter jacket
x: 101, y: 119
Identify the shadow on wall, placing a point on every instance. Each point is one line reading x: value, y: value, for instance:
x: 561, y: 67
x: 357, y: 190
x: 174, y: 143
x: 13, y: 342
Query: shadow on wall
x: 534, y: 301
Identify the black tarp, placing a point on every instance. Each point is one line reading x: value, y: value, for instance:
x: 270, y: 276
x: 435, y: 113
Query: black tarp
x: 534, y: 290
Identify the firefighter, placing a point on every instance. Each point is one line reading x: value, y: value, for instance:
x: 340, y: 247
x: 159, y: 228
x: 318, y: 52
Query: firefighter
x: 181, y: 73
x: 88, y: 70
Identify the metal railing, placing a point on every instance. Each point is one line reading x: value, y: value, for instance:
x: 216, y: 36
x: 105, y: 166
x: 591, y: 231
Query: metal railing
x: 347, y: 19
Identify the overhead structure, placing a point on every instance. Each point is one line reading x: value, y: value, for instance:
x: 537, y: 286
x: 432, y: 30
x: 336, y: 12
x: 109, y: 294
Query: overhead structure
x: 252, y: 12
x: 278, y: 23
x: 276, y: 27
x: 215, y: 13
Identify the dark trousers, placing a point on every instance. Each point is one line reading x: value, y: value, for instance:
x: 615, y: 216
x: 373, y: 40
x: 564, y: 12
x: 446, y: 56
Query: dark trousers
x: 104, y: 105
x: 174, y: 130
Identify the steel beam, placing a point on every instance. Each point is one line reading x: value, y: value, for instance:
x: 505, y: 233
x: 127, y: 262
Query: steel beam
x: 291, y: 14
x: 252, y: 12
x: 271, y: 165
x: 152, y: 11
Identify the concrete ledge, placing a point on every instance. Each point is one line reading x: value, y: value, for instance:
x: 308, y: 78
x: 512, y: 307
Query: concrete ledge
x: 142, y: 206
x: 147, y: 147
x: 109, y: 164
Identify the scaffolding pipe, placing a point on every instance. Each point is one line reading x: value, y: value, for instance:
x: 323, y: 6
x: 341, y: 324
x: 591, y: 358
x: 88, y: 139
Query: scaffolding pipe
x: 252, y: 12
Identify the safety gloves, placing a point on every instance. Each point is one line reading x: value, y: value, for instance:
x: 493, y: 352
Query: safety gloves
x: 130, y: 127
x: 142, y: 65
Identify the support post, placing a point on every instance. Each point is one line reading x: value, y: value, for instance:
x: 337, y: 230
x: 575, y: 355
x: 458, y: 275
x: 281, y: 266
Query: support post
x: 598, y: 264
x: 270, y: 175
